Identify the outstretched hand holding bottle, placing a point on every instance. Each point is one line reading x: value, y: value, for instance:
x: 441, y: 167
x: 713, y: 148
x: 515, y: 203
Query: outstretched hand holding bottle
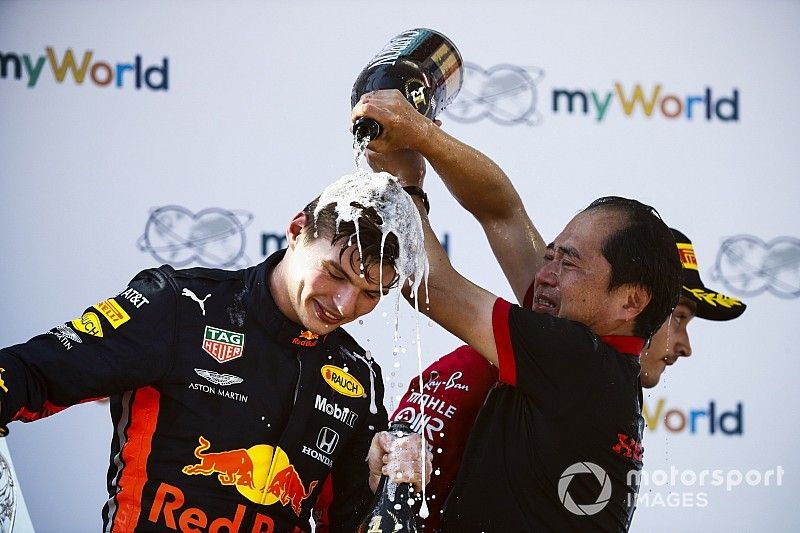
x: 395, y: 464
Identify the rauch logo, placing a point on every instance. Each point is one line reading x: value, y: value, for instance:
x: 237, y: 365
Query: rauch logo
x: 652, y: 101
x: 710, y: 420
x: 82, y: 67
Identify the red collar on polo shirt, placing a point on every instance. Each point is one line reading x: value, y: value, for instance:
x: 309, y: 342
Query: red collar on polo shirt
x: 625, y: 344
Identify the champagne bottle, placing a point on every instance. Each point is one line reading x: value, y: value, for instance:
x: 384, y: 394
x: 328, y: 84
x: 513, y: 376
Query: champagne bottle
x: 391, y: 511
x: 422, y: 64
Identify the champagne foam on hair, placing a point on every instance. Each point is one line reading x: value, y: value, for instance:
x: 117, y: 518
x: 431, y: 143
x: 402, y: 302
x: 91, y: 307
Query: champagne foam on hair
x: 382, y: 192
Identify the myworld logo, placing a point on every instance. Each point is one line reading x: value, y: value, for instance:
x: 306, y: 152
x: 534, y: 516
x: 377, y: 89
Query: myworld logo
x: 84, y: 67
x: 648, y: 102
x: 510, y: 95
x: 710, y: 420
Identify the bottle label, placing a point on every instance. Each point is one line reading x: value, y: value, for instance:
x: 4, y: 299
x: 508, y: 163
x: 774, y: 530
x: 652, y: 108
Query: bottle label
x: 395, y: 48
x: 418, y: 94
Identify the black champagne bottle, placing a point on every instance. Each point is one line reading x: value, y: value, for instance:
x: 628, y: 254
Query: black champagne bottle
x: 391, y: 511
x: 422, y: 64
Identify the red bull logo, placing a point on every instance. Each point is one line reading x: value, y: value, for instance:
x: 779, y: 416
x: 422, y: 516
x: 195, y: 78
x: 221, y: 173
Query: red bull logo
x: 233, y: 467
x: 263, y: 474
x: 287, y: 487
x: 306, y: 338
x: 168, y: 508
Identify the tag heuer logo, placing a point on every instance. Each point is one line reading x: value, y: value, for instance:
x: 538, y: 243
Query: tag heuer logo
x: 223, y: 345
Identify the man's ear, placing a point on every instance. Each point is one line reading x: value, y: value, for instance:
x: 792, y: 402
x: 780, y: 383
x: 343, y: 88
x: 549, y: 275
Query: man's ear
x: 295, y: 228
x: 636, y: 299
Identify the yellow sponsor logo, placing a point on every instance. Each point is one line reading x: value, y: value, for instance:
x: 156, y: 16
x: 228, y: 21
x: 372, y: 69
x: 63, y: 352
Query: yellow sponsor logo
x: 89, y: 323
x: 115, y: 314
x: 3, y: 383
x: 686, y: 254
x: 714, y: 298
x: 342, y: 382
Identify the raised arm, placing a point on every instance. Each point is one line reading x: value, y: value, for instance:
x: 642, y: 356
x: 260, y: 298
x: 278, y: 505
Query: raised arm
x: 476, y: 182
x: 458, y: 305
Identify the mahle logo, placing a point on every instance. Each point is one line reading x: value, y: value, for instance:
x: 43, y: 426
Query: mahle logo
x: 83, y: 67
x: 223, y: 345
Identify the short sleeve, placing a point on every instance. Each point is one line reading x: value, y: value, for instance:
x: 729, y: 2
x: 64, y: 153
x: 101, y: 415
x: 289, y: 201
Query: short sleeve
x: 546, y: 357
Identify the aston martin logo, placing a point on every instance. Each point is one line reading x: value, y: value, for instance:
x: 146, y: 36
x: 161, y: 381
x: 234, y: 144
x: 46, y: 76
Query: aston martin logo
x: 217, y: 378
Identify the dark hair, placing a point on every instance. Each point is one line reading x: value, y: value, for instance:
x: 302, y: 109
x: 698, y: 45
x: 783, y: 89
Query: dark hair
x: 327, y: 224
x: 642, y: 252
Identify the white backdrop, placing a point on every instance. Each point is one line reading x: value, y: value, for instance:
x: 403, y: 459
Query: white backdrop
x: 254, y: 122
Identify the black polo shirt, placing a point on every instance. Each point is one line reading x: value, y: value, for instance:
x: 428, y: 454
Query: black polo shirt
x: 557, y: 445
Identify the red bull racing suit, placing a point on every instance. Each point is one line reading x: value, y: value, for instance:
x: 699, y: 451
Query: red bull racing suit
x: 227, y: 416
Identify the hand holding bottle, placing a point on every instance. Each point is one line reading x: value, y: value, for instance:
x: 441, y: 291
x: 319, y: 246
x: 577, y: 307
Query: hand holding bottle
x: 399, y: 458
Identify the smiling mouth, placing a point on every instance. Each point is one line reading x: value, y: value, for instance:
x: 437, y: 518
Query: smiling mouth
x: 325, y: 316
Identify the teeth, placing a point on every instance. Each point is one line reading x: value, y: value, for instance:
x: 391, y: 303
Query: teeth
x: 546, y: 303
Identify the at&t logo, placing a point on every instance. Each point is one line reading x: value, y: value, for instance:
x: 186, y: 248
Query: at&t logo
x: 586, y: 509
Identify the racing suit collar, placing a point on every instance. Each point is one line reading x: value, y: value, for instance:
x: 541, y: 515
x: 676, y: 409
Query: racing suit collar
x: 261, y: 305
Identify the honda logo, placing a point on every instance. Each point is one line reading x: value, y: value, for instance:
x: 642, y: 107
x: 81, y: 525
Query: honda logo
x: 327, y: 440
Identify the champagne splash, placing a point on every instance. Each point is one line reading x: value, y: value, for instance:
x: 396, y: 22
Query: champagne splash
x: 382, y: 192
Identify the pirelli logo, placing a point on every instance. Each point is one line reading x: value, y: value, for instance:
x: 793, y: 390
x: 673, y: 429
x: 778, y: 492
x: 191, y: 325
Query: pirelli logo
x: 115, y: 314
x: 686, y: 255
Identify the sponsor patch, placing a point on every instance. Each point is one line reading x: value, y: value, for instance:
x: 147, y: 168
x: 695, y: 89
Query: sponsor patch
x: 333, y: 409
x: 261, y: 473
x: 342, y: 382
x: 3, y: 383
x: 115, y: 314
x: 223, y: 345
x: 89, y: 323
x: 686, y: 254
x: 217, y: 378
x: 135, y: 297
x: 306, y: 338
x: 65, y: 334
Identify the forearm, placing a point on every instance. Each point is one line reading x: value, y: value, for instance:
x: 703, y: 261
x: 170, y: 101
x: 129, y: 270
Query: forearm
x: 476, y: 182
x: 452, y: 301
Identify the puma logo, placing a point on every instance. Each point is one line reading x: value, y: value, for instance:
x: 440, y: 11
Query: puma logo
x: 193, y: 296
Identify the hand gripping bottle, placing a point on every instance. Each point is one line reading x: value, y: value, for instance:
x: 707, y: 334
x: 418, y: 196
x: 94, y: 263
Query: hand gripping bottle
x: 422, y: 64
x: 391, y: 511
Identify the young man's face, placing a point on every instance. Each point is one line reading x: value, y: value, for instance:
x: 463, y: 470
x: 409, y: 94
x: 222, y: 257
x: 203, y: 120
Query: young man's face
x: 326, y: 291
x: 670, y: 342
x: 573, y: 282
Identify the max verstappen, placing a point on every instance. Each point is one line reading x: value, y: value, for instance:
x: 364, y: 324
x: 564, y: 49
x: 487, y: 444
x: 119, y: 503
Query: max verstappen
x: 234, y: 394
